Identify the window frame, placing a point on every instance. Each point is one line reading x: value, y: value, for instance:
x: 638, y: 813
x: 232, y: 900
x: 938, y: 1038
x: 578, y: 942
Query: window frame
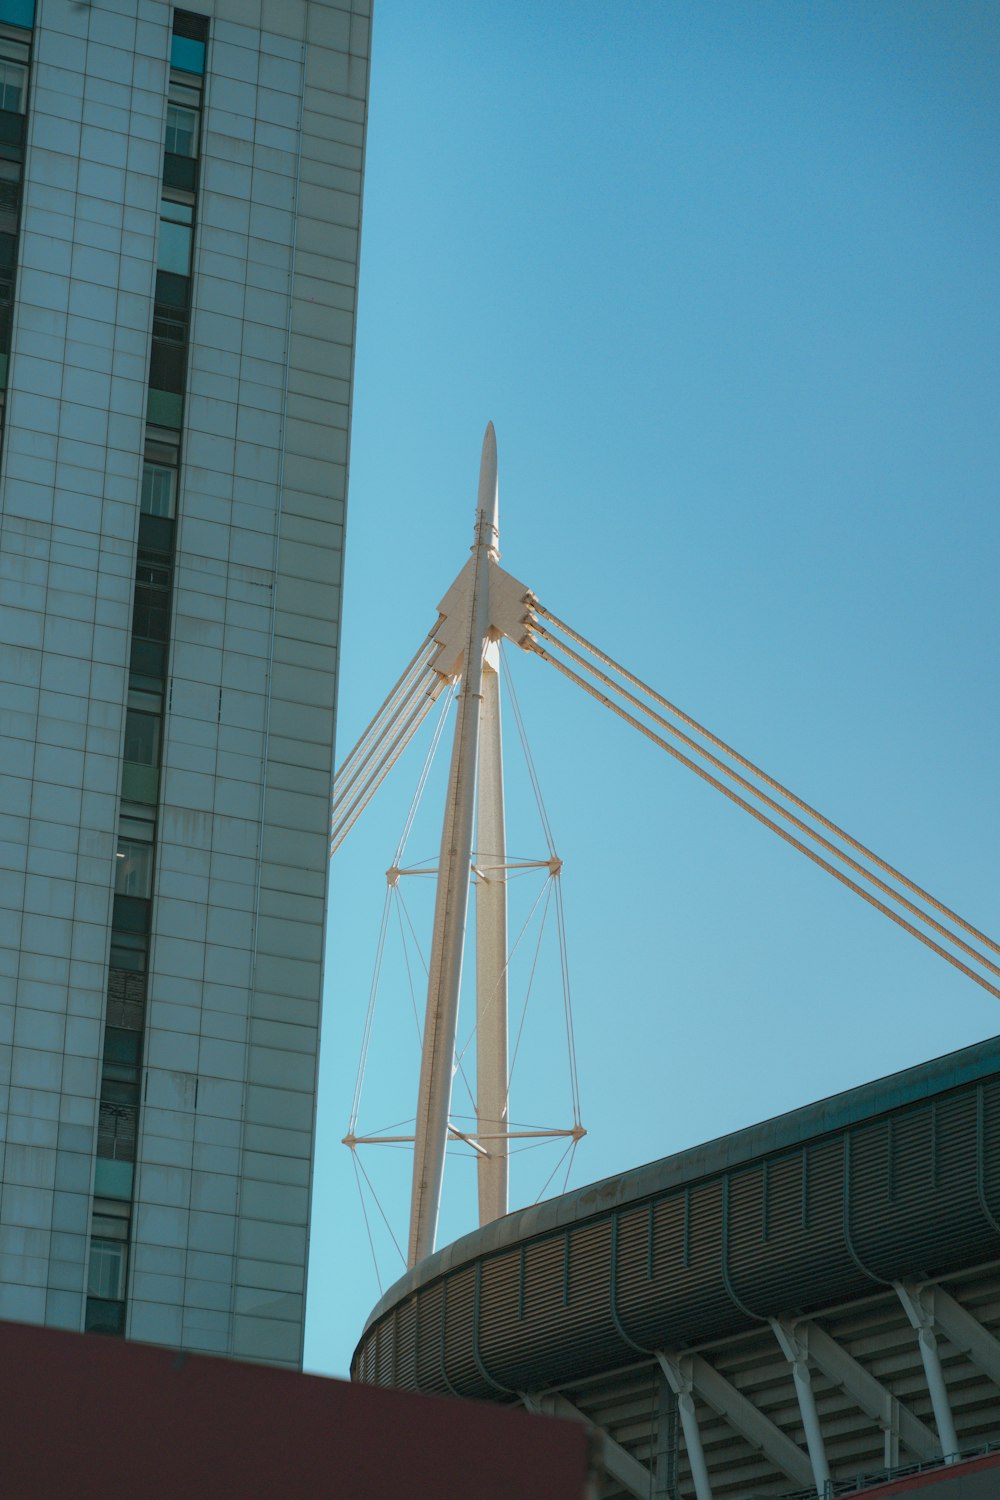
x: 105, y: 1253
x: 171, y: 142
x: 21, y: 68
x: 157, y: 471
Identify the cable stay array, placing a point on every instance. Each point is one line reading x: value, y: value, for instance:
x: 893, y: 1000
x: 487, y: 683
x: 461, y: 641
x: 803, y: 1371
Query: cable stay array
x: 400, y: 716
x: 460, y: 663
x: 774, y: 806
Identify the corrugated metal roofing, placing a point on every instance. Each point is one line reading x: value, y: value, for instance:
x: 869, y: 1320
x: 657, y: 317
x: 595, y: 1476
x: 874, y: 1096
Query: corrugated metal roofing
x: 897, y: 1179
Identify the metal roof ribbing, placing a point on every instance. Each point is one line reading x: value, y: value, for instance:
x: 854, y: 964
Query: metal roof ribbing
x: 824, y: 1117
x: 809, y: 1207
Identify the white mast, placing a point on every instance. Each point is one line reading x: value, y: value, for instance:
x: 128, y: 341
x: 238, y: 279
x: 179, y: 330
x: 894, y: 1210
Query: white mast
x: 454, y: 865
x: 483, y: 605
x: 491, y: 954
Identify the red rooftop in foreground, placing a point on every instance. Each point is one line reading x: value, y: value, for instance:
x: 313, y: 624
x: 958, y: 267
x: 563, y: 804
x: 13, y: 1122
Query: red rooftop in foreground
x: 82, y: 1417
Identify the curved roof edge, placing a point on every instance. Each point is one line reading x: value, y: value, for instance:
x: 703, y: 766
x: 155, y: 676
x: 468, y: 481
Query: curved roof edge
x: 809, y: 1121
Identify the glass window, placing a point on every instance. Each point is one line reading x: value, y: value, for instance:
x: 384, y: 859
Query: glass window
x: 10, y: 195
x: 144, y: 694
x: 13, y: 86
x: 106, y: 1277
x: 18, y: 12
x: 134, y: 853
x: 151, y: 604
x: 167, y: 365
x: 185, y: 92
x: 126, y: 998
x: 15, y: 51
x: 105, y: 1317
x: 177, y: 211
x: 119, y: 1106
x: 121, y: 1047
x: 136, y: 822
x: 110, y: 1220
x: 117, y: 1124
x: 128, y: 950
x: 174, y: 252
x: 182, y: 130
x: 158, y: 485
x: 133, y: 868
x: 161, y: 447
x: 187, y: 54
x: 142, y: 738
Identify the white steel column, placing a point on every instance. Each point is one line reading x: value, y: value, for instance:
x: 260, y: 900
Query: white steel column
x: 677, y: 1369
x: 491, y: 955
x: 921, y: 1317
x: 796, y: 1352
x: 452, y: 900
x: 869, y: 1394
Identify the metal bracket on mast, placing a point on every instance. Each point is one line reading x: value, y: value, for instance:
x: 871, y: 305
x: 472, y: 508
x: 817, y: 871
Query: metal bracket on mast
x: 483, y: 604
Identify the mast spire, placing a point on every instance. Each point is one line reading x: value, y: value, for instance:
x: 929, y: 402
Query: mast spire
x: 488, y: 502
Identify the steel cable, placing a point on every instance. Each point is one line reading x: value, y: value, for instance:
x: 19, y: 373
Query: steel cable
x: 749, y: 765
x: 776, y: 807
x: 763, y: 818
x: 355, y: 767
x: 381, y: 771
x: 421, y: 658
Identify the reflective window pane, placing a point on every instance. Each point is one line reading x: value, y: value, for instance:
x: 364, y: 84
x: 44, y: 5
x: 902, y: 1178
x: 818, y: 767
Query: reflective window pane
x: 158, y: 489
x: 105, y: 1317
x: 133, y: 868
x: 187, y: 54
x: 109, y: 1220
x: 148, y: 699
x: 142, y: 738
x: 106, y: 1277
x: 13, y: 86
x: 182, y: 130
x: 128, y: 950
x: 167, y: 366
x: 136, y: 822
x: 175, y: 248
x: 177, y: 211
x: 10, y: 195
x: 18, y: 12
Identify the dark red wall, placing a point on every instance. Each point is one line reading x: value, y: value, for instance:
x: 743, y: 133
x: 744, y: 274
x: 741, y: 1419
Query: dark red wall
x: 83, y: 1416
x: 976, y: 1479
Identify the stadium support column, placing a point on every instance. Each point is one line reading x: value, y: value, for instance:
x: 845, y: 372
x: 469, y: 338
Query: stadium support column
x: 796, y: 1351
x: 679, y: 1378
x: 921, y: 1316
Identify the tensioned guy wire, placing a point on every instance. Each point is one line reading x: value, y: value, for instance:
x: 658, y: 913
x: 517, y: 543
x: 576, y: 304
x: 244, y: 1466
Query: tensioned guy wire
x: 382, y: 768
x: 776, y: 807
x: 769, y: 780
x: 422, y: 683
x: 420, y: 659
x: 761, y: 817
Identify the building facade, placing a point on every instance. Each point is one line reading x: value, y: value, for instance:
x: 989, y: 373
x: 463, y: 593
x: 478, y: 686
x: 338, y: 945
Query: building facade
x: 180, y: 199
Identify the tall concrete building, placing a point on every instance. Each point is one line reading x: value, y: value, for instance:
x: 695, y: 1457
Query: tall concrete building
x: 180, y: 199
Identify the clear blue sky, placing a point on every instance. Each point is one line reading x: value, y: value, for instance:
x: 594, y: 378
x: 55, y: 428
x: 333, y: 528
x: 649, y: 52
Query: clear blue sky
x: 725, y: 278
